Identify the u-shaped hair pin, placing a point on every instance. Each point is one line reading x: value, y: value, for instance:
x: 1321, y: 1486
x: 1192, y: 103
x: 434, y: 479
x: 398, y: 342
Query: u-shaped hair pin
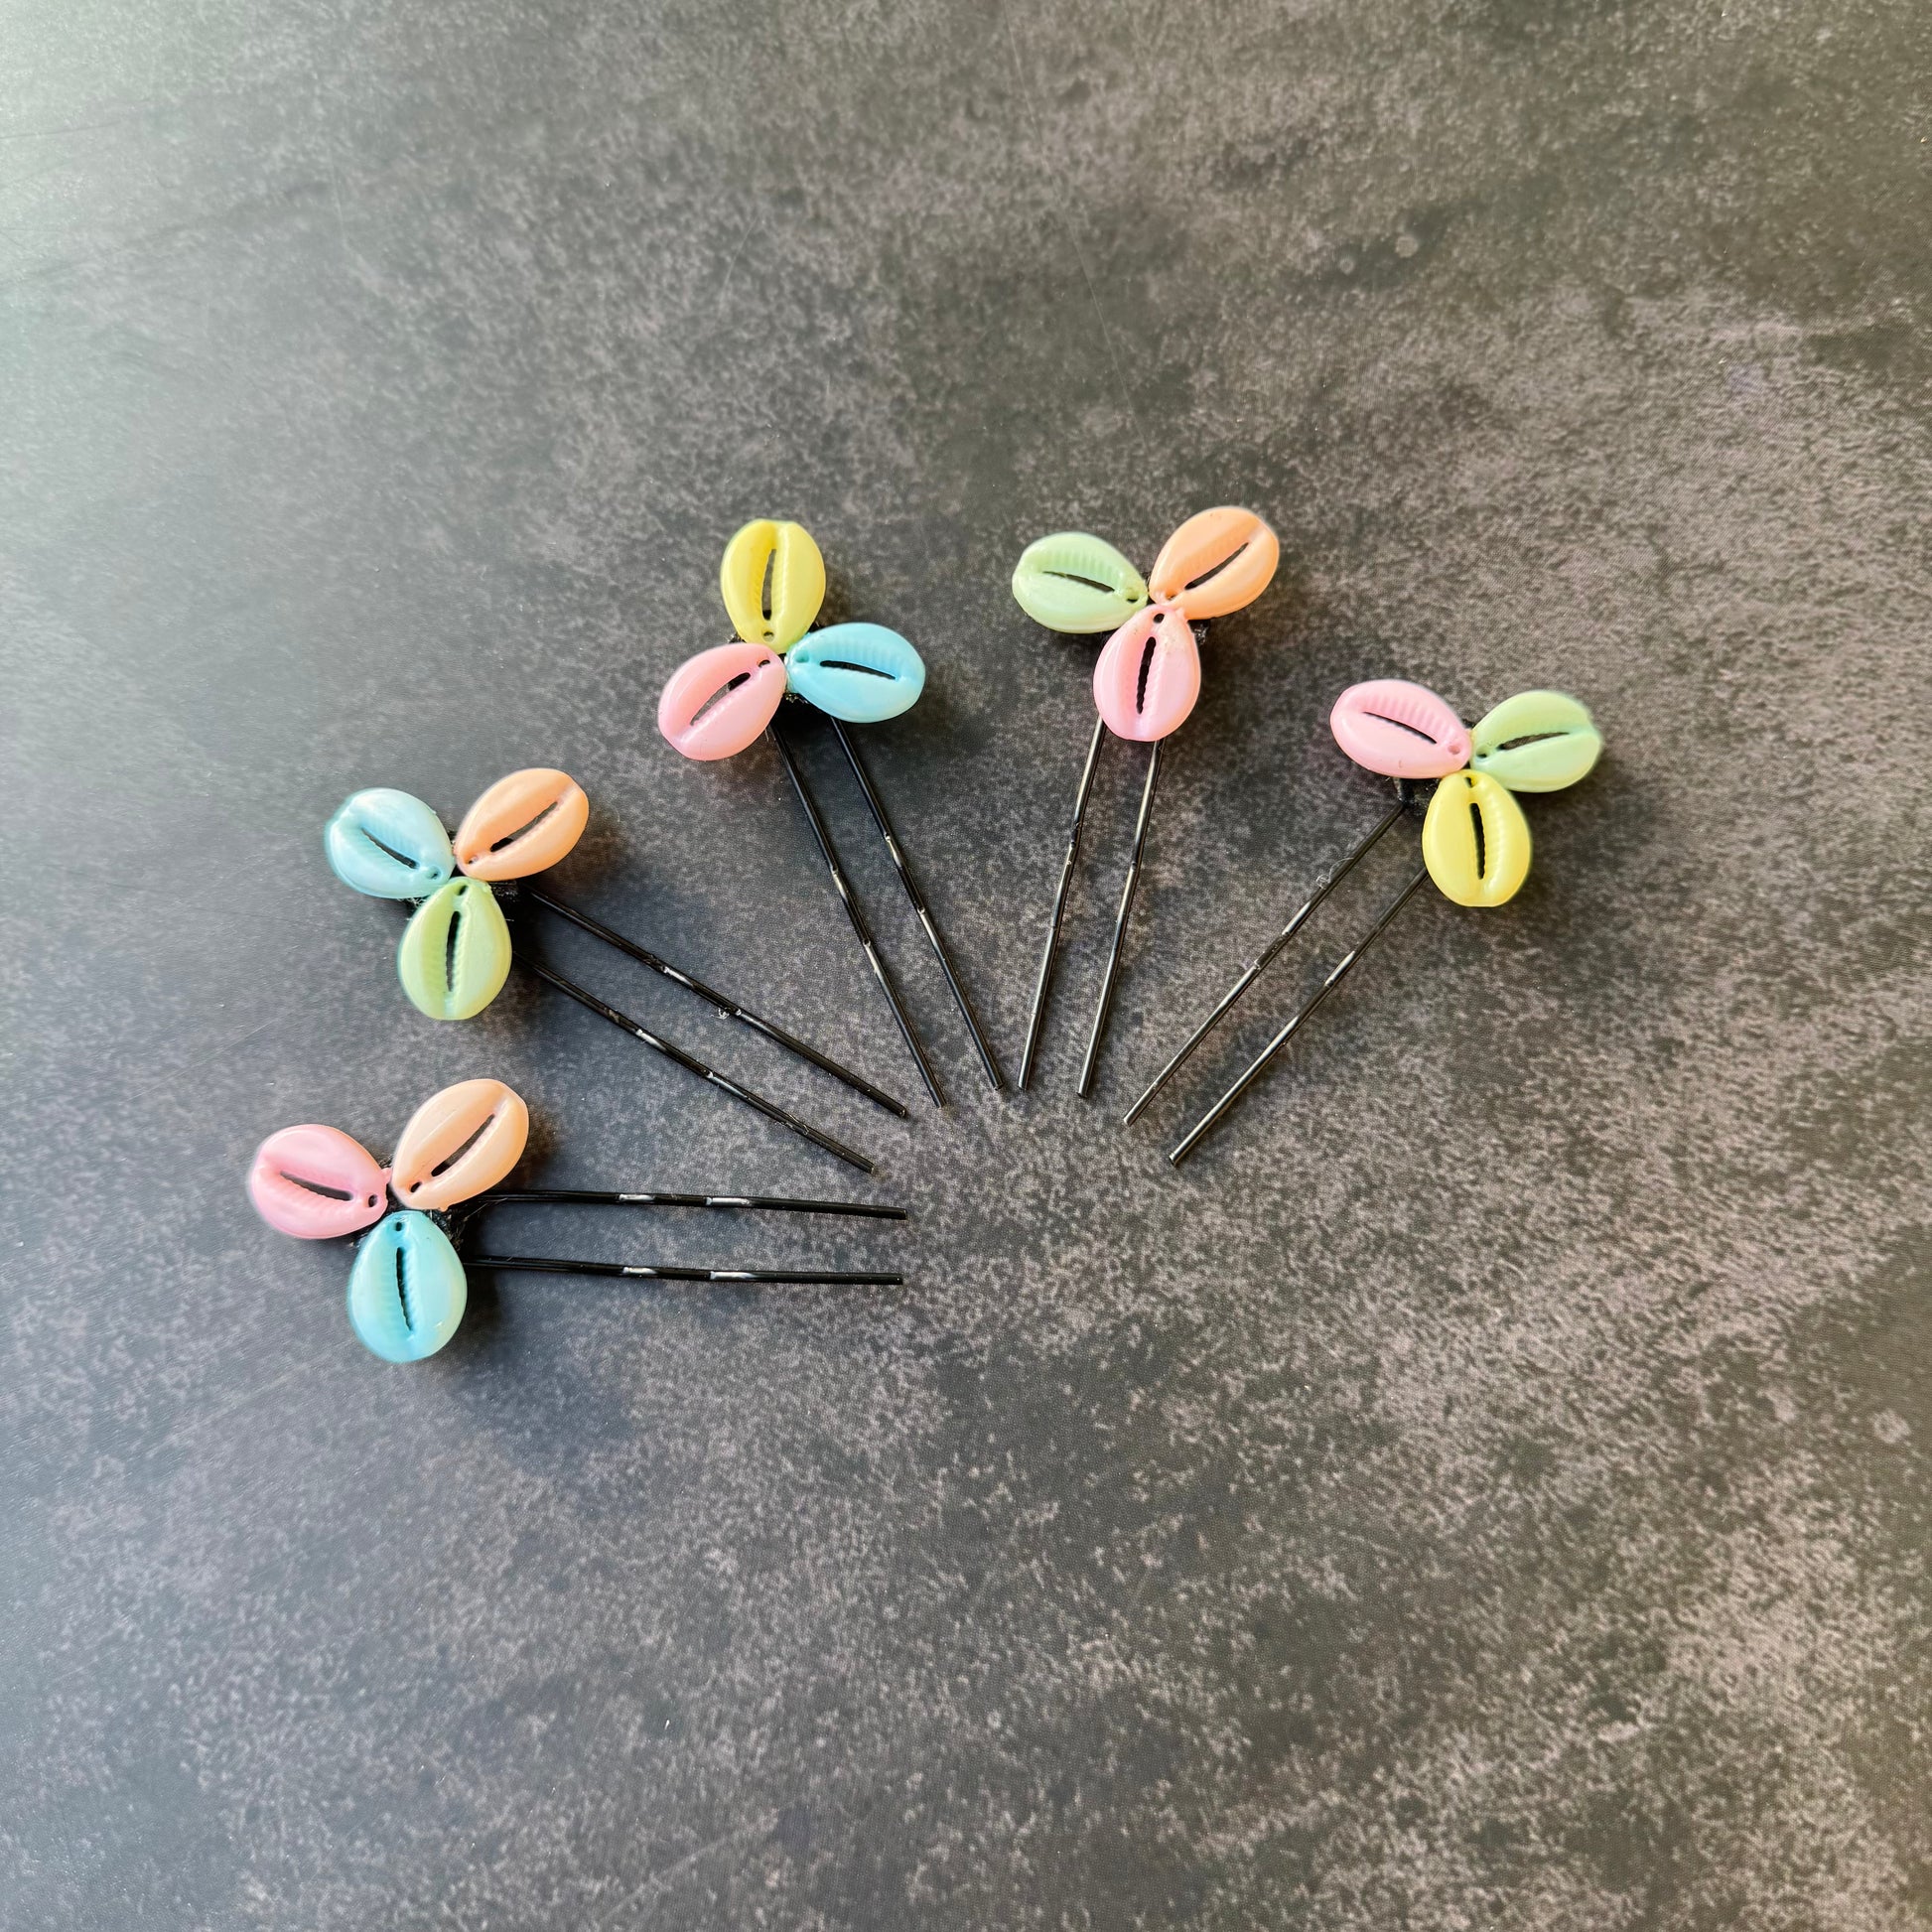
x: 723, y: 700
x: 1145, y: 683
x: 456, y: 951
x: 1476, y: 841
x: 409, y: 1286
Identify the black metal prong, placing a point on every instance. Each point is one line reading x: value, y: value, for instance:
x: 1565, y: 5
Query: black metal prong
x: 1269, y: 952
x: 1126, y: 892
x: 722, y: 1003
x: 600, y: 1197
x: 692, y: 1065
x: 861, y: 931
x: 807, y: 1276
x: 876, y: 807
x: 1037, y: 1018
x: 1212, y: 1117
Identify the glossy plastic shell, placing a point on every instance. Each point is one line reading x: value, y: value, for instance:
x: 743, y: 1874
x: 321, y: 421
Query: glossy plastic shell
x: 1537, y: 741
x: 458, y: 1143
x: 1071, y: 582
x: 1148, y: 675
x: 315, y: 1183
x: 719, y: 701
x: 1475, y: 840
x: 1399, y: 729
x: 797, y: 583
x: 523, y: 824
x: 406, y: 1289
x: 388, y: 845
x: 455, y: 953
x: 861, y: 673
x: 1217, y: 561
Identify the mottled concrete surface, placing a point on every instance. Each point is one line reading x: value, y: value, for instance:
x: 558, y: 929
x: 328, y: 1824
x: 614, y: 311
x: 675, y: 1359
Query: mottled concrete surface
x: 1489, y: 1486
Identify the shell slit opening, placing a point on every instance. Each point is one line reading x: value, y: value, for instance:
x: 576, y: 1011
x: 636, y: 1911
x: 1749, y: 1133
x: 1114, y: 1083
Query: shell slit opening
x: 1401, y: 723
x: 390, y: 851
x: 1214, y: 570
x: 1529, y: 737
x: 1482, y: 844
x: 450, y: 1159
x: 863, y: 670
x: 316, y: 1186
x: 1147, y: 671
x: 451, y: 940
x: 402, y: 1292
x: 718, y: 696
x: 510, y: 838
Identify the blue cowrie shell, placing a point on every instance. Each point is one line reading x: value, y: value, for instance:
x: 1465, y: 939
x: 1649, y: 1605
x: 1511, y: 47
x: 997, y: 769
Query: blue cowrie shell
x: 407, y: 1290
x: 388, y: 845
x: 861, y: 673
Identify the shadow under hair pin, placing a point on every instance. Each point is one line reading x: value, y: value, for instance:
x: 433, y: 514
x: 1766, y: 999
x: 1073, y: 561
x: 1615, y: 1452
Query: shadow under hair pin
x: 723, y: 700
x: 456, y: 951
x: 1476, y: 841
x: 1145, y: 683
x: 408, y: 1284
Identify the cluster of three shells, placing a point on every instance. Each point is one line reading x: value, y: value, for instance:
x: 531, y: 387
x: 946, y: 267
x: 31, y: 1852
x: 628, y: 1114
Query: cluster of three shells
x: 1147, y: 677
x: 455, y: 953
x: 1475, y: 840
x: 407, y: 1290
x: 774, y: 584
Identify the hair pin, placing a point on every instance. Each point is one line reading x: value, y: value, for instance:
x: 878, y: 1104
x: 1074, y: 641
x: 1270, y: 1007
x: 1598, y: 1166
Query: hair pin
x: 1476, y: 841
x: 1145, y: 683
x: 408, y: 1284
x: 723, y: 700
x: 456, y: 951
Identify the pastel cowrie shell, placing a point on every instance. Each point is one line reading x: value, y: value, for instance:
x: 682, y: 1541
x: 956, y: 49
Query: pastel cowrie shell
x: 719, y: 701
x: 1400, y: 729
x: 455, y: 953
x: 458, y: 1143
x: 797, y: 575
x: 1071, y: 582
x: 1218, y: 561
x: 861, y: 673
x: 1537, y: 741
x: 316, y: 1183
x: 388, y: 845
x: 1148, y: 674
x: 406, y: 1289
x: 1475, y: 840
x: 524, y: 823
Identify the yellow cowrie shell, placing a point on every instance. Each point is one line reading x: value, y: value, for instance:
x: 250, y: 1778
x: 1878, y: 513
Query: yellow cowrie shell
x: 455, y: 953
x: 525, y: 823
x: 1475, y: 840
x: 1537, y: 741
x: 458, y: 1143
x: 797, y: 583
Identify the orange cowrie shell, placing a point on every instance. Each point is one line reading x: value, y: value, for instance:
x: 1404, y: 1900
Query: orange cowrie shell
x: 1216, y: 562
x: 1148, y: 675
x: 798, y: 573
x: 1475, y: 840
x: 525, y: 823
x: 719, y: 701
x: 458, y: 1143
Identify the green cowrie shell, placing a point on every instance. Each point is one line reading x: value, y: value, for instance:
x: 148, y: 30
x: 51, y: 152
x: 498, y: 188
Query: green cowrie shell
x: 1077, y: 583
x: 1537, y: 741
x: 455, y: 953
x: 406, y: 1289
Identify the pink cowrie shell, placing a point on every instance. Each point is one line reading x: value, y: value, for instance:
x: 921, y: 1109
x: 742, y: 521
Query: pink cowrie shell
x: 719, y: 701
x: 315, y: 1182
x: 1148, y: 674
x: 1400, y: 729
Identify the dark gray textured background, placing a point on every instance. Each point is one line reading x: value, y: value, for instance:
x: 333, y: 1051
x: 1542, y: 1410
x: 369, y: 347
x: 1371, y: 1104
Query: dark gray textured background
x: 1488, y: 1487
